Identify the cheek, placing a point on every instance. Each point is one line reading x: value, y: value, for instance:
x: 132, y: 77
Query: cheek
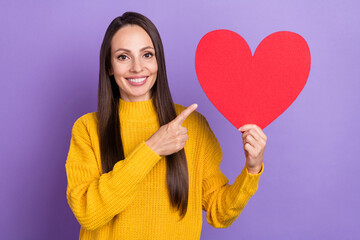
x: 119, y: 70
x: 154, y: 68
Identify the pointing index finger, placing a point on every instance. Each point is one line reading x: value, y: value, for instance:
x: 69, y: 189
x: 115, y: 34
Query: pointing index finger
x: 184, y: 114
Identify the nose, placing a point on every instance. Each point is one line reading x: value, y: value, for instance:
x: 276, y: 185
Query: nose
x: 136, y: 65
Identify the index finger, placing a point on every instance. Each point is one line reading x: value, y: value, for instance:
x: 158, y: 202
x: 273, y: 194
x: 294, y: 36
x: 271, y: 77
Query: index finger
x: 184, y: 114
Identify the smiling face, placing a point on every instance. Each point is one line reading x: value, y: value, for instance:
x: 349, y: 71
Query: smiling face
x: 133, y: 63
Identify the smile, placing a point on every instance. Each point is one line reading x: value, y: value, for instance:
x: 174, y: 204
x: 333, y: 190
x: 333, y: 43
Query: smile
x: 137, y: 81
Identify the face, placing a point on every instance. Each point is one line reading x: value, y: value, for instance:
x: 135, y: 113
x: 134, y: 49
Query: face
x: 133, y: 63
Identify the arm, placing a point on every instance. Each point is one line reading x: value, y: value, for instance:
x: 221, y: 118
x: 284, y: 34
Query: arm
x: 95, y: 199
x: 223, y: 202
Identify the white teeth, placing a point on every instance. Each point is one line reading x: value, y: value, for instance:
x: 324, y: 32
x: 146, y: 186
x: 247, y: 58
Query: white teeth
x: 136, y: 80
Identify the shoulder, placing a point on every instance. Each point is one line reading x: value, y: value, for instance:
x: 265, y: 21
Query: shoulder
x: 86, y: 121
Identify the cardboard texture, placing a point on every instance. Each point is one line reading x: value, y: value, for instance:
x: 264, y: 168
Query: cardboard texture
x: 252, y: 89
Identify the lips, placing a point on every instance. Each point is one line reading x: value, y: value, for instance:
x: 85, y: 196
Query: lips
x: 137, y: 81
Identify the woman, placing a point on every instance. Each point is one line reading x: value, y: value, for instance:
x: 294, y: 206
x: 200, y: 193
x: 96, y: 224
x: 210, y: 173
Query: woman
x: 143, y: 167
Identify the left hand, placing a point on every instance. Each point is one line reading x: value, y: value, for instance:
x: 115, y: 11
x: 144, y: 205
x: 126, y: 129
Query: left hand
x: 254, y: 140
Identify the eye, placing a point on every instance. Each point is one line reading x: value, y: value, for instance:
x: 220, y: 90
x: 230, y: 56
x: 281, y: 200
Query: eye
x: 148, y: 55
x: 122, y: 57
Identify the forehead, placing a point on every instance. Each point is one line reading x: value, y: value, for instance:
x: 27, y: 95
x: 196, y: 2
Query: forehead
x: 131, y: 37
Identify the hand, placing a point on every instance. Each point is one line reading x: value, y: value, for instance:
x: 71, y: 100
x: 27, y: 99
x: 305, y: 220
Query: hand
x: 254, y: 140
x: 171, y: 137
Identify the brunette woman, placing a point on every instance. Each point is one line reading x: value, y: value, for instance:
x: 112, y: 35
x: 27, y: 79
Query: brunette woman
x: 142, y: 167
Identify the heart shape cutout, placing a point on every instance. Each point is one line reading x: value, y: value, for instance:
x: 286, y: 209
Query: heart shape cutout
x: 252, y: 89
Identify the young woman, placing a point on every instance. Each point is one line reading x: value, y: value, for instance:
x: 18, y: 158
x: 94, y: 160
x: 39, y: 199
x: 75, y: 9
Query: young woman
x: 142, y: 167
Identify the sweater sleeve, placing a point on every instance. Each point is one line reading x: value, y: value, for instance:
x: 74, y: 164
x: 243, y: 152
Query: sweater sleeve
x: 223, y: 202
x: 96, y: 198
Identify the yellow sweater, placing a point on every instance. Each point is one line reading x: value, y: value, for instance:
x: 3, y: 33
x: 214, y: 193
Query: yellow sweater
x: 131, y: 201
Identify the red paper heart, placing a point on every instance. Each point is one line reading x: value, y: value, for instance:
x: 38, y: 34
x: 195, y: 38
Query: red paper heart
x: 252, y: 89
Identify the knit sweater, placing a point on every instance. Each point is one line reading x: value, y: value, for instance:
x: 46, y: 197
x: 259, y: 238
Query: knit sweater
x: 131, y: 201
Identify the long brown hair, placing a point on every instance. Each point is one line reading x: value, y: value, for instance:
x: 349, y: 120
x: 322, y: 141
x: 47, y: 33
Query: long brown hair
x: 111, y: 147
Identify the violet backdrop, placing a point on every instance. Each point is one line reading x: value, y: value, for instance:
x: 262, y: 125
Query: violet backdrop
x: 49, y: 54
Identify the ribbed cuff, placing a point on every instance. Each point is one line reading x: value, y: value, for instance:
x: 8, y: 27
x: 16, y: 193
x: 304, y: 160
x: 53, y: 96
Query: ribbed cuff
x: 261, y: 170
x: 143, y: 158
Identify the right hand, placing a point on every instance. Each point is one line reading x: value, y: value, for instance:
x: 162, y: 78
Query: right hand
x: 171, y: 137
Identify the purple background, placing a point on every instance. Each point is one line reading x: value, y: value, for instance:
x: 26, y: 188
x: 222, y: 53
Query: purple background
x: 49, y: 76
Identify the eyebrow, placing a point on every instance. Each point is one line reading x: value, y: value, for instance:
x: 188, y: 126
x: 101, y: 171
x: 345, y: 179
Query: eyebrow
x: 127, y: 50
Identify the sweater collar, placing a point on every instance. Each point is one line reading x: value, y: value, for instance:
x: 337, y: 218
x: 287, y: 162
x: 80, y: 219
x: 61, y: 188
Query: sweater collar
x: 137, y: 110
